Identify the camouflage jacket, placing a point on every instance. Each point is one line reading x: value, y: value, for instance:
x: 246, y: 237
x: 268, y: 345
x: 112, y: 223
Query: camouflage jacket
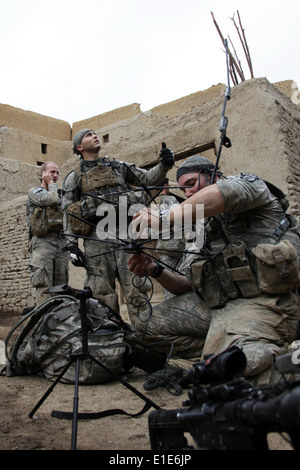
x: 253, y: 213
x: 44, y: 207
x: 42, y: 197
x: 227, y: 266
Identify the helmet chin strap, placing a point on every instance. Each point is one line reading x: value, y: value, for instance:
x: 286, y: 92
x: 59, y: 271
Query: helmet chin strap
x: 207, y: 173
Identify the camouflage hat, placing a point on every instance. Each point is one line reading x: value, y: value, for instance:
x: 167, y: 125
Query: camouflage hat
x: 78, y: 138
x: 195, y: 164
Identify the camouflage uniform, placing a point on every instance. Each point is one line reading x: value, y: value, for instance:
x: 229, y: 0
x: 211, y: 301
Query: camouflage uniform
x: 48, y: 263
x: 107, y: 262
x: 227, y: 307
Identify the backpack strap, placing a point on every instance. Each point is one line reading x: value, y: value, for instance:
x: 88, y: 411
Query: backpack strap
x: 101, y: 414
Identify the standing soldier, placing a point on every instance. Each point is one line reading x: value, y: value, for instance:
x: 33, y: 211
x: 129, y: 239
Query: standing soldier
x: 106, y: 179
x: 49, y: 263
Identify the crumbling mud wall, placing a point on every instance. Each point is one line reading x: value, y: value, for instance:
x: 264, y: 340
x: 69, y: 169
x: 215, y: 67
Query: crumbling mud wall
x: 16, y: 178
x: 264, y: 129
x: 35, y: 149
x: 15, y: 285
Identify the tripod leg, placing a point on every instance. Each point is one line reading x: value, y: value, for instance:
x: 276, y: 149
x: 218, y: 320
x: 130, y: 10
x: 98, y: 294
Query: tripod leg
x: 127, y: 385
x: 75, y: 407
x: 47, y: 393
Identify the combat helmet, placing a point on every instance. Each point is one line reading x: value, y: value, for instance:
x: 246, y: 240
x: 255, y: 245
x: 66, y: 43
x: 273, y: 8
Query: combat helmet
x: 77, y: 139
x: 195, y: 164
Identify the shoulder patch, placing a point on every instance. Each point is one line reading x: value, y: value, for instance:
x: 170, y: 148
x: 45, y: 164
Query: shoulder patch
x: 249, y: 177
x: 37, y: 189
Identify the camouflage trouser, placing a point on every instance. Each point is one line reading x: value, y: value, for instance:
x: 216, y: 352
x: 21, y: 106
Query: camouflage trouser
x: 181, y: 322
x: 263, y: 326
x: 107, y: 263
x: 49, y: 265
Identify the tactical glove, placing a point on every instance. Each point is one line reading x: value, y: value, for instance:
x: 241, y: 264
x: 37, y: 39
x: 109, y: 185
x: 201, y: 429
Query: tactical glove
x: 77, y: 257
x: 166, y: 155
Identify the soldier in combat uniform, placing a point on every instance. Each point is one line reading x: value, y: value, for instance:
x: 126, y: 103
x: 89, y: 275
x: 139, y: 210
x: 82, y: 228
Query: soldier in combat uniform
x: 243, y: 287
x: 48, y: 263
x: 105, y: 179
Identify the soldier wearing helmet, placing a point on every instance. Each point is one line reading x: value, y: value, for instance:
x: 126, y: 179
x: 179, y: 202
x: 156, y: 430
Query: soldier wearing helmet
x: 95, y: 183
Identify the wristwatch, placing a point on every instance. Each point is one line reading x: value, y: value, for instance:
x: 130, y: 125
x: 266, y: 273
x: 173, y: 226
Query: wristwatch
x: 157, y: 271
x: 163, y: 214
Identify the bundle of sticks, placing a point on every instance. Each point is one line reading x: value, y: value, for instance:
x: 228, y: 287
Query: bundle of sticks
x: 235, y: 68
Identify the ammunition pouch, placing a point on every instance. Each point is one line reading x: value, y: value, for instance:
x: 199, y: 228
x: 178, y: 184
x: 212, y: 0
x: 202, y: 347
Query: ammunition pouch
x: 224, y: 276
x: 39, y: 222
x: 83, y: 210
x: 75, y: 222
x: 88, y: 206
x: 54, y: 218
x: 277, y: 267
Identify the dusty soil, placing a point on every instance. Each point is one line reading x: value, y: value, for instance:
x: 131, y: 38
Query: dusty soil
x: 19, y: 395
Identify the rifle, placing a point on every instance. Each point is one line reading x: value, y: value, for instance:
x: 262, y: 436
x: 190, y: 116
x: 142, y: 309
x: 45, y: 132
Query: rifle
x: 224, y: 140
x: 231, y: 415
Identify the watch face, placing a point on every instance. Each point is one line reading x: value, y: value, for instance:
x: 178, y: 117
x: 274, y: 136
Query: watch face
x: 164, y: 213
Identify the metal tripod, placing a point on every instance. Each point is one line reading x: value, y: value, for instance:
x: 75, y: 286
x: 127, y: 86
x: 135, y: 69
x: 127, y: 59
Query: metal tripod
x: 83, y: 295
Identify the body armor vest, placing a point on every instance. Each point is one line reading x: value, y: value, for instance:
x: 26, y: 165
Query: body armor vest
x: 101, y: 176
x: 231, y: 269
x: 97, y: 185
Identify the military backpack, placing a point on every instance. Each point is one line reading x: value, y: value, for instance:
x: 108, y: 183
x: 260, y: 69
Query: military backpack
x: 51, y: 335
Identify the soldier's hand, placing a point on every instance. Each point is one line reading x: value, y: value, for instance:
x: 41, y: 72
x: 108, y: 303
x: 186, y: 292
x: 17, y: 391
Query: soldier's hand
x: 141, y: 264
x: 77, y: 257
x: 47, y: 177
x: 166, y: 155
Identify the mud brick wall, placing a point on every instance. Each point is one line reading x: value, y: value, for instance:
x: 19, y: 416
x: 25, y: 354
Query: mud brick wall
x: 15, y: 285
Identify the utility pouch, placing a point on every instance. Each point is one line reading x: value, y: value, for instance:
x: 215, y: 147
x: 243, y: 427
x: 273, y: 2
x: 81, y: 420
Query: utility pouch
x: 54, y: 218
x: 74, y: 216
x: 206, y: 285
x: 38, y: 222
x: 239, y: 270
x: 88, y: 207
x: 227, y: 275
x: 277, y: 267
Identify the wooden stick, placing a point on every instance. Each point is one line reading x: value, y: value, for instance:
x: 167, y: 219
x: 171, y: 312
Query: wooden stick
x: 229, y: 52
x: 233, y: 75
x: 235, y: 53
x: 246, y: 45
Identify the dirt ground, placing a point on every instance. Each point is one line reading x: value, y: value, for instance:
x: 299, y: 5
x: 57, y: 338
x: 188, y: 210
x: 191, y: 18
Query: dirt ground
x: 19, y: 395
